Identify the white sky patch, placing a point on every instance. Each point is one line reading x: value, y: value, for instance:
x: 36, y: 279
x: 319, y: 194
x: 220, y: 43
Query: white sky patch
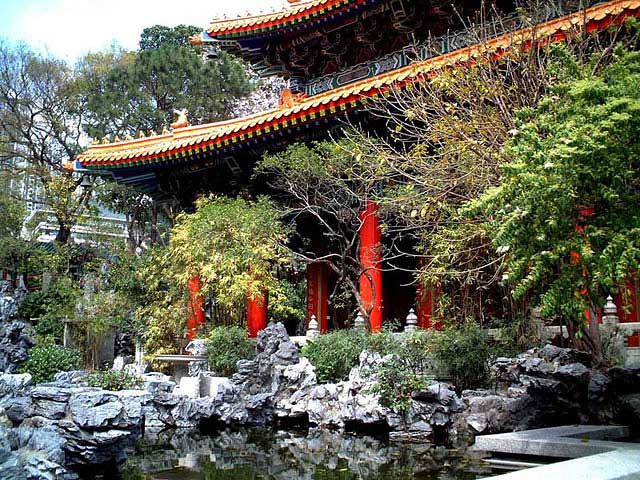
x: 71, y: 28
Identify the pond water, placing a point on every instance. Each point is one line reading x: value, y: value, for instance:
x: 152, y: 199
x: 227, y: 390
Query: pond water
x: 278, y: 455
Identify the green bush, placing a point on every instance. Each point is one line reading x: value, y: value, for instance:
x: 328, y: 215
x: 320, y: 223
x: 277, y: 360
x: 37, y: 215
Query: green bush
x: 465, y: 353
x: 226, y: 346
x: 47, y: 360
x: 409, y: 369
x: 51, y: 306
x: 336, y: 353
x: 114, y: 380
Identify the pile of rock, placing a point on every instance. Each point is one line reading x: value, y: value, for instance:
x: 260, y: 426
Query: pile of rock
x: 552, y: 386
x: 71, y: 424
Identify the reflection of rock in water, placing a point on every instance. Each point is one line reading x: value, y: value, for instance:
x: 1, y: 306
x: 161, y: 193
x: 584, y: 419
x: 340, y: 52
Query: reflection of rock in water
x: 293, y: 455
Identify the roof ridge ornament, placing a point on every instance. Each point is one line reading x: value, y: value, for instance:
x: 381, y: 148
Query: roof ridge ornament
x: 288, y: 99
x: 182, y: 120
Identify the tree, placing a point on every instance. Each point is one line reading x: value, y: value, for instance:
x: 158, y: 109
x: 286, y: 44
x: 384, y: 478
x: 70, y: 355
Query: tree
x: 566, y: 209
x: 235, y: 246
x: 136, y: 206
x: 325, y: 190
x: 40, y: 124
x: 441, y: 146
x: 131, y: 92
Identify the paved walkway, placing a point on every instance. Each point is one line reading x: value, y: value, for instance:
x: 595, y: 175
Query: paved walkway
x: 594, y: 452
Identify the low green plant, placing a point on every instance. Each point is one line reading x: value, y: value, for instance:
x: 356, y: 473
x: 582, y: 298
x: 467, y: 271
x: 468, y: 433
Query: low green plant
x: 517, y: 336
x: 226, y: 346
x: 409, y: 369
x: 46, y: 360
x: 336, y: 353
x: 51, y: 306
x: 465, y: 352
x: 114, y: 380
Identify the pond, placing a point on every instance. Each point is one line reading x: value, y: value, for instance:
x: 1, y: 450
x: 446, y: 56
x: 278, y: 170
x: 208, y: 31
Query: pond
x: 291, y: 455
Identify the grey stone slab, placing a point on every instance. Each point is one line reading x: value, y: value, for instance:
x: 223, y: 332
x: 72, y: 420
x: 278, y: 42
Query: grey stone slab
x: 615, y: 465
x: 558, y: 442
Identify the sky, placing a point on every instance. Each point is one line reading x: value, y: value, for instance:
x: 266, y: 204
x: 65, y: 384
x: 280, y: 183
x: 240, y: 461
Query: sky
x: 70, y: 28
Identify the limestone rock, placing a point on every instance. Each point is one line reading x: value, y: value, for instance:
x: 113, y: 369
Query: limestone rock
x: 16, y: 338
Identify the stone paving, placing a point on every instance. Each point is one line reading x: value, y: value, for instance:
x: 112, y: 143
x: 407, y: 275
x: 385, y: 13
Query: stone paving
x: 594, y: 452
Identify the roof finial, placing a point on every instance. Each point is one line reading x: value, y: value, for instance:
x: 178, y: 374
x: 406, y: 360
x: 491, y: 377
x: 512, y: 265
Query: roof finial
x: 182, y: 120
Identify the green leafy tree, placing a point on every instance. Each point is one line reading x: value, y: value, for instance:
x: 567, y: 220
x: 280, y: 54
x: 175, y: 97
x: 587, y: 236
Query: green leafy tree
x: 41, y: 116
x: 566, y: 210
x: 129, y: 92
x: 235, y: 246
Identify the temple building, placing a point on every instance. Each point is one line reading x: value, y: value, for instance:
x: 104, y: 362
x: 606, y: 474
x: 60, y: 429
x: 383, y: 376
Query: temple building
x: 337, y: 54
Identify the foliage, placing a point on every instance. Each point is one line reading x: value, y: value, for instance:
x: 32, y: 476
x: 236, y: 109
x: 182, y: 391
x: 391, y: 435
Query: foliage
x: 518, y: 335
x: 97, y: 312
x: 409, y: 369
x: 464, y: 352
x: 114, y: 380
x: 40, y: 129
x: 235, y: 246
x: 336, y: 353
x: 613, y: 340
x: 51, y: 306
x: 136, y: 206
x: 226, y: 346
x: 289, y: 301
x: 162, y: 303
x: 47, y: 360
x: 127, y: 92
x: 566, y: 210
x: 322, y: 186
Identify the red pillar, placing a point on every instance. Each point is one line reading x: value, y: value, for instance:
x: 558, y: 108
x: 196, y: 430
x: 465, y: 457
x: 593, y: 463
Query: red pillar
x: 628, y: 311
x: 371, y: 257
x: 257, y: 313
x: 196, y: 307
x: 318, y: 294
x: 427, y: 302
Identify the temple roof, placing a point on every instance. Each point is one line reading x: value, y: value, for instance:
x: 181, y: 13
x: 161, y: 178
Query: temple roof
x: 310, y: 12
x: 189, y: 144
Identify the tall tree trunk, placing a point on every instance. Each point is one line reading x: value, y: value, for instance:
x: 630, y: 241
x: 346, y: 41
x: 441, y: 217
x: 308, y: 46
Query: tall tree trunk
x: 64, y: 233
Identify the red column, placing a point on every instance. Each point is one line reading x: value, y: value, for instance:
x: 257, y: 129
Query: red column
x: 196, y: 307
x: 427, y: 302
x: 371, y: 257
x: 257, y: 313
x: 628, y: 311
x: 318, y: 294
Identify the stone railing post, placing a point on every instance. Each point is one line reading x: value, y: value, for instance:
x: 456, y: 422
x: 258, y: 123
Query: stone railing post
x: 312, y: 329
x: 610, y: 316
x: 66, y: 335
x: 359, y: 322
x: 139, y: 356
x: 412, y: 322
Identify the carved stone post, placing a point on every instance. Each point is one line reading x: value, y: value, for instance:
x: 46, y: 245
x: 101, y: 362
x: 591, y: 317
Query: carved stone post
x: 412, y: 322
x: 610, y: 313
x: 312, y: 329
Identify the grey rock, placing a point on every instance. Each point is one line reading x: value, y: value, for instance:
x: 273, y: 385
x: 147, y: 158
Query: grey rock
x: 96, y: 410
x: 16, y: 338
x: 74, y: 378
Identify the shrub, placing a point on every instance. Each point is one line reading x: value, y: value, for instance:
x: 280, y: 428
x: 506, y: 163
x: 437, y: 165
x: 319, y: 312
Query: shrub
x: 52, y: 306
x: 226, y: 346
x: 47, y: 360
x: 336, y: 353
x: 517, y: 336
x: 409, y: 369
x: 114, y: 380
x: 465, y: 353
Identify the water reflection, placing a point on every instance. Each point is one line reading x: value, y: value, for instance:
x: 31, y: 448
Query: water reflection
x: 279, y: 455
